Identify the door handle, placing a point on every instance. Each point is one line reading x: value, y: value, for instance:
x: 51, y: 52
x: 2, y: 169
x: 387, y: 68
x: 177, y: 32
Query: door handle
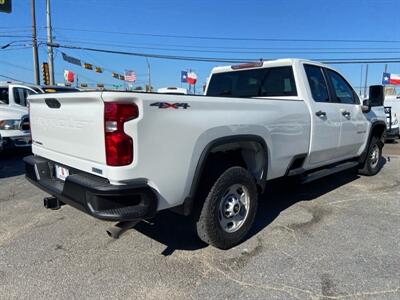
x: 320, y: 114
x: 346, y: 113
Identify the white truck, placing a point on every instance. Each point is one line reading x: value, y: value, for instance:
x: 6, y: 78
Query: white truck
x: 392, y: 107
x: 123, y: 156
x: 14, y: 119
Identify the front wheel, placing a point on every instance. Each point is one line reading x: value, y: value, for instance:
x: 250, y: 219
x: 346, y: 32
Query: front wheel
x: 372, y: 162
x: 229, y: 209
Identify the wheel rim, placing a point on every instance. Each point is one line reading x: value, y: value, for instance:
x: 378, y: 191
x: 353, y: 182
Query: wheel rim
x: 374, y: 156
x: 234, y: 208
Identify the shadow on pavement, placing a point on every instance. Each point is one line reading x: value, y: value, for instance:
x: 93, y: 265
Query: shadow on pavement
x: 177, y: 232
x: 11, y: 163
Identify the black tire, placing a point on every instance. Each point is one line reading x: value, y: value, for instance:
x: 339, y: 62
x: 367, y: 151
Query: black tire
x: 208, y: 226
x: 371, y: 166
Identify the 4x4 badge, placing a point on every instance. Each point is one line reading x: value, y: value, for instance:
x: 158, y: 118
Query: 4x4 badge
x: 170, y: 105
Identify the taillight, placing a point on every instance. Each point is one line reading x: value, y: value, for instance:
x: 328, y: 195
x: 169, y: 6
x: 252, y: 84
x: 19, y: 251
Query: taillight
x: 119, y: 145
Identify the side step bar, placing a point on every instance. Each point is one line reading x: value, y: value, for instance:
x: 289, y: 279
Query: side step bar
x: 329, y: 171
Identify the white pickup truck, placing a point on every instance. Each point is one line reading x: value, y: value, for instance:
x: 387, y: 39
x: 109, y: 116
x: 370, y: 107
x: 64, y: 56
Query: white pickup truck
x: 123, y: 156
x: 14, y: 120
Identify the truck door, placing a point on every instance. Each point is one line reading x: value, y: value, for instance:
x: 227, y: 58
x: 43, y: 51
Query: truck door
x: 354, y: 125
x: 325, y: 119
x: 19, y: 93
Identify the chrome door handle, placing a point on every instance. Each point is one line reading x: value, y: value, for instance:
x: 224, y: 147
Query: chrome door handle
x: 346, y: 113
x: 320, y: 114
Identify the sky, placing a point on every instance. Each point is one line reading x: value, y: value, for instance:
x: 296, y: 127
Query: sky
x: 221, y: 29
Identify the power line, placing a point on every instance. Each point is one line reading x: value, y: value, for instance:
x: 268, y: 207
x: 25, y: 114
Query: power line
x: 11, y: 78
x: 15, y: 66
x: 231, y: 38
x: 233, y: 52
x: 224, y: 60
x: 17, y: 48
x: 14, y: 36
x: 102, y: 42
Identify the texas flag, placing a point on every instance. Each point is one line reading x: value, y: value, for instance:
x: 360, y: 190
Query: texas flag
x: 191, y: 78
x: 184, y: 75
x: 69, y: 76
x: 389, y: 78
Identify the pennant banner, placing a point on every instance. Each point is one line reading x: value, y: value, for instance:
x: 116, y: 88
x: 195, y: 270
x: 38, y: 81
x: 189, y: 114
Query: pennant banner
x: 88, y: 66
x: 71, y: 60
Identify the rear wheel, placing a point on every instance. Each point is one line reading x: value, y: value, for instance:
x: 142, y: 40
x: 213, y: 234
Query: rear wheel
x: 229, y: 210
x: 372, y: 162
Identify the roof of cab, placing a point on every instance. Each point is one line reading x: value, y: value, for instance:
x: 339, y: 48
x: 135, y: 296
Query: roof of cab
x: 263, y: 64
x: 8, y: 83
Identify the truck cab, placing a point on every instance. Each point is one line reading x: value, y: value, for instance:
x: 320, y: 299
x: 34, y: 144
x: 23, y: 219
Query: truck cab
x: 339, y: 123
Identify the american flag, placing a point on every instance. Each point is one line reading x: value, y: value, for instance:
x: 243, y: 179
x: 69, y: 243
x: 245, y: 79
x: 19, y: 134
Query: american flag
x: 130, y: 76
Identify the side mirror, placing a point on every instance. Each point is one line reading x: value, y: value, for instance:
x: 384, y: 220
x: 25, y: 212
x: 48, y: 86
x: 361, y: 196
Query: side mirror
x: 376, y: 95
x: 366, y: 107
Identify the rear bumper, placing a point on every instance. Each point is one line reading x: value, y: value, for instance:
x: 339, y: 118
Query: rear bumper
x: 92, y: 194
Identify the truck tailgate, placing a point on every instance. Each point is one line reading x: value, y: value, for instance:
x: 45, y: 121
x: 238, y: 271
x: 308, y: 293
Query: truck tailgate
x: 71, y: 124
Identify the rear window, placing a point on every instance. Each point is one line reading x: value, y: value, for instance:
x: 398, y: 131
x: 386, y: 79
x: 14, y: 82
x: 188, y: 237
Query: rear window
x: 266, y: 82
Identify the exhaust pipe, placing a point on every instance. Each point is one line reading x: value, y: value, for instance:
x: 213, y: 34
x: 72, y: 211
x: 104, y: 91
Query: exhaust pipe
x: 52, y: 203
x: 119, y: 228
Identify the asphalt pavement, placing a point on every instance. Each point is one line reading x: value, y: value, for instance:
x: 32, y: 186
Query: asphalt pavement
x: 336, y: 238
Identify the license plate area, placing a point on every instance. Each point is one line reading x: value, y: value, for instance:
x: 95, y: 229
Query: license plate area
x: 61, y: 172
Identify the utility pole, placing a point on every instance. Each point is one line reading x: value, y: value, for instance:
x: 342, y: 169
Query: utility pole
x: 34, y: 46
x: 386, y: 68
x: 366, y: 81
x: 148, y: 73
x: 49, y: 43
x: 361, y: 78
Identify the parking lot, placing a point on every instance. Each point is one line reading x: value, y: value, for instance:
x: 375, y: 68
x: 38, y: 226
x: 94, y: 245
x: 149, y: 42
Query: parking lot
x: 337, y: 238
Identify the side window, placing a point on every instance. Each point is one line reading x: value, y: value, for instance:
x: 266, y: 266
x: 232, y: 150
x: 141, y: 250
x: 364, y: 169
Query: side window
x: 343, y: 92
x: 278, y: 82
x: 20, y: 95
x: 318, y: 86
x: 4, y: 95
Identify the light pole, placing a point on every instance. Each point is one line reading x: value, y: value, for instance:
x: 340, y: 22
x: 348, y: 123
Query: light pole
x: 149, y: 74
x: 13, y: 42
x: 34, y: 46
x: 50, y: 57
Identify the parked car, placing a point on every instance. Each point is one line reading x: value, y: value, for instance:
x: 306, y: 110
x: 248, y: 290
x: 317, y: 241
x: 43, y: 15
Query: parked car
x: 124, y: 156
x: 392, y: 106
x: 392, y: 130
x: 394, y: 102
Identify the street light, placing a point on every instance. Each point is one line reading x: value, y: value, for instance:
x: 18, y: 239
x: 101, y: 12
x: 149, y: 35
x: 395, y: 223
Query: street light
x: 9, y: 44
